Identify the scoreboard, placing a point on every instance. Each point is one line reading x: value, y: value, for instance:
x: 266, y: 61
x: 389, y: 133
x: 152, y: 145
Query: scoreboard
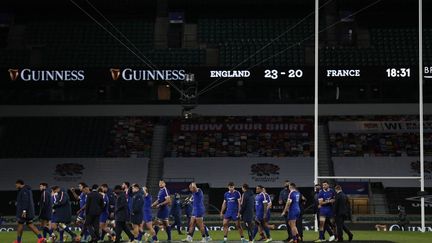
x: 16, y: 75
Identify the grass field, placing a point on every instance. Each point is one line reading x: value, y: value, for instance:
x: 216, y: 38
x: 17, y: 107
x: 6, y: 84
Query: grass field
x: 396, y: 236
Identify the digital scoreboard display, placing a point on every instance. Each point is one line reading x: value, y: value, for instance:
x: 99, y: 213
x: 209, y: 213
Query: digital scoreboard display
x: 205, y: 74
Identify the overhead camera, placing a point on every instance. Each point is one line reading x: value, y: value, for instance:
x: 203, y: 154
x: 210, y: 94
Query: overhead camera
x: 189, y: 96
x: 187, y: 111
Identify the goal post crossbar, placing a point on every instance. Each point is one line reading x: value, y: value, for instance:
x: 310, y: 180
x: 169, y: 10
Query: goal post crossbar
x: 372, y: 177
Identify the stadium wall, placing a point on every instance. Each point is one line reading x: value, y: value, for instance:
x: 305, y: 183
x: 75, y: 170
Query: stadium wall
x: 269, y: 172
x: 68, y: 172
x: 384, y: 166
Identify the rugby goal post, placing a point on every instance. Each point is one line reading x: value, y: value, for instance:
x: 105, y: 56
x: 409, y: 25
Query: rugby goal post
x: 317, y: 177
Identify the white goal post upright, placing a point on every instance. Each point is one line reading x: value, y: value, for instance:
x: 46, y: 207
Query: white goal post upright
x: 316, y: 65
x: 316, y: 116
x: 422, y: 199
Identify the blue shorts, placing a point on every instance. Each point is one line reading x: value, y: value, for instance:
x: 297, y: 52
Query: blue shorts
x: 147, y: 217
x: 293, y: 215
x: 163, y: 213
x: 103, y: 217
x: 198, y: 213
x: 231, y: 216
x: 326, y: 212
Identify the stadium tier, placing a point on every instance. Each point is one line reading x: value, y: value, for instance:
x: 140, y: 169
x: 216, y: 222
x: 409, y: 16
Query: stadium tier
x: 239, y: 39
x: 352, y: 144
x: 131, y: 137
x: 241, y: 137
x: 86, y: 44
x: 205, y: 137
x: 54, y: 137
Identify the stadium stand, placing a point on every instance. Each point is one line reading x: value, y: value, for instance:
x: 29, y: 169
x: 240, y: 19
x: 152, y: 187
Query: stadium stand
x: 352, y: 144
x: 51, y: 137
x: 131, y: 137
x: 359, y: 144
x: 79, y: 43
x: 388, y: 46
x: 238, y: 39
x: 252, y: 143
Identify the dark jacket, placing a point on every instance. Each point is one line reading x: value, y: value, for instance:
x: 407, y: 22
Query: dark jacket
x: 341, y: 205
x: 62, y: 211
x: 176, y: 208
x: 315, y: 203
x: 112, y: 200
x: 247, y: 206
x: 24, y: 202
x: 283, y: 195
x: 188, y: 207
x: 45, y: 204
x: 121, y: 212
x: 137, y: 207
x: 94, y: 204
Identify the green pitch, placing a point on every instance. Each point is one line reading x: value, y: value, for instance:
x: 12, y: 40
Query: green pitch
x: 399, y: 237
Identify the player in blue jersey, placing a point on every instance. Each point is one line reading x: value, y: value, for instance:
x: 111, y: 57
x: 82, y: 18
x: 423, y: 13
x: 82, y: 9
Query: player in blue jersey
x: 197, y: 214
x: 109, y: 226
x: 325, y: 204
x: 147, y: 213
x: 105, y: 215
x: 292, y: 210
x: 82, y: 199
x: 269, y: 205
x: 163, y: 203
x: 231, y: 210
x: 261, y: 212
x: 188, y: 206
x: 267, y: 220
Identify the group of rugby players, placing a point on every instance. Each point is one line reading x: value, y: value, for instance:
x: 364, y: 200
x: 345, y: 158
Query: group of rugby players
x: 102, y: 209
x: 332, y: 209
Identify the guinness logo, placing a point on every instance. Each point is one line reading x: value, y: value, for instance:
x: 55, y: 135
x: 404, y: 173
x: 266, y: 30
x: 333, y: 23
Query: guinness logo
x: 115, y: 73
x: 13, y: 74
